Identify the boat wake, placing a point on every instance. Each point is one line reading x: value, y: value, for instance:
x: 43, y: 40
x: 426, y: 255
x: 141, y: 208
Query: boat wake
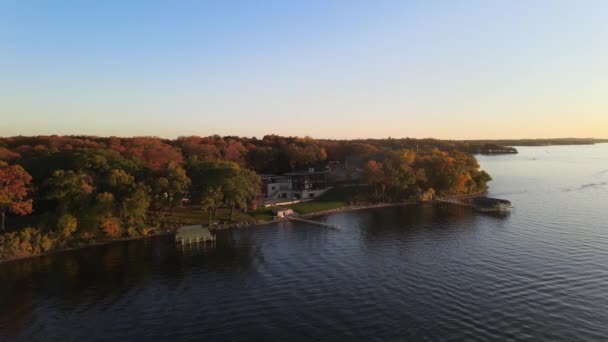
x: 508, y: 193
x: 587, y: 186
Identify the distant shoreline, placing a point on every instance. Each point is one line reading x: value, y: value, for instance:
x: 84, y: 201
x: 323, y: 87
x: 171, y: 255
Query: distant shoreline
x: 536, y: 143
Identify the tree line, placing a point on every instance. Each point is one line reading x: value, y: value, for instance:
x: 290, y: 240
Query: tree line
x: 80, y: 189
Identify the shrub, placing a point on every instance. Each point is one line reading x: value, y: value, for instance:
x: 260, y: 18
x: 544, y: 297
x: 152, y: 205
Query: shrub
x: 67, y: 225
x: 110, y: 227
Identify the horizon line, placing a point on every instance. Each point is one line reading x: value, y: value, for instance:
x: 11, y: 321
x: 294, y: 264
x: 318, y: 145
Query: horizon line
x: 293, y: 136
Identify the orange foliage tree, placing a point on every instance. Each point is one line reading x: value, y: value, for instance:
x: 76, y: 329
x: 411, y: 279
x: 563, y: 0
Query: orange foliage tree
x: 14, y: 189
x: 110, y: 227
x: 8, y: 155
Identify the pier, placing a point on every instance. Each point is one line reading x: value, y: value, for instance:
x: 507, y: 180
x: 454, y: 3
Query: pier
x: 476, y: 201
x: 322, y: 224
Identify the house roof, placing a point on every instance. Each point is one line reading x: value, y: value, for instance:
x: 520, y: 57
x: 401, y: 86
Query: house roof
x: 305, y: 173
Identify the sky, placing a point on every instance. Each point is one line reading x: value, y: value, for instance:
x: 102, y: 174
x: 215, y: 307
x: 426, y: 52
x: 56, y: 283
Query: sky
x: 327, y: 69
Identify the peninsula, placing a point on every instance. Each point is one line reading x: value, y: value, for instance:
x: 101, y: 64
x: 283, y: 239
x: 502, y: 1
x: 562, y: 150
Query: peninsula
x: 64, y: 192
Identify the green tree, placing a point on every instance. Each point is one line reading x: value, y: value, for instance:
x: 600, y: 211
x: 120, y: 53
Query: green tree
x: 69, y: 188
x: 119, y: 183
x: 135, y: 206
x: 171, y: 186
x: 239, y: 186
x: 212, y: 200
x: 209, y: 174
x: 241, y: 189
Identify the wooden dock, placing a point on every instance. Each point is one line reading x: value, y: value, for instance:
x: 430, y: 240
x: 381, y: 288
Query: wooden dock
x: 194, y: 234
x: 477, y: 202
x: 450, y: 200
x: 322, y: 224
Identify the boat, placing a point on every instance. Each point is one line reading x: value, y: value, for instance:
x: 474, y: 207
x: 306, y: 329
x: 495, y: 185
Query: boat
x: 490, y: 204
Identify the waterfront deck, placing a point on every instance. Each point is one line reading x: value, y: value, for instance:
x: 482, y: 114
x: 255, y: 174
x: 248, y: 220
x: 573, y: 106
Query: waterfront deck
x: 194, y: 234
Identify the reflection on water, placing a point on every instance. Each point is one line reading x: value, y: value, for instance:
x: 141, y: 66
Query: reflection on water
x: 538, y: 272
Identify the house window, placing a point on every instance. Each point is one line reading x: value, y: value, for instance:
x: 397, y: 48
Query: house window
x: 311, y: 195
x: 272, y: 187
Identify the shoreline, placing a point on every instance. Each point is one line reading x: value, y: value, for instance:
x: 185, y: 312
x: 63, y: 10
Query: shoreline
x: 351, y: 208
x: 242, y: 225
x: 96, y: 244
x: 345, y: 209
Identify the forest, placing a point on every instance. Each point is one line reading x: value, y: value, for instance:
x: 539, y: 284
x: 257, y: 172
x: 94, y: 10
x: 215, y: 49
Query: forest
x: 59, y: 192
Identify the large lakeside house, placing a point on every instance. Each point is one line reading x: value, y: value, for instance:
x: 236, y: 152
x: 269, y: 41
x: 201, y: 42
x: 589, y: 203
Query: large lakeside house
x: 294, y: 187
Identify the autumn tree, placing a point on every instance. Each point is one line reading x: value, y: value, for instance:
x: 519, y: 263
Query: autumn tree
x: 67, y: 225
x: 110, y: 226
x: 234, y: 151
x: 201, y: 148
x: 262, y: 159
x: 372, y: 174
x: 153, y: 152
x: 14, y: 190
x: 452, y: 173
x: 8, y: 155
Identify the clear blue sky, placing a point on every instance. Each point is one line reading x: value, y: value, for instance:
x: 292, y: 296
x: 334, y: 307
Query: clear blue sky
x: 335, y: 69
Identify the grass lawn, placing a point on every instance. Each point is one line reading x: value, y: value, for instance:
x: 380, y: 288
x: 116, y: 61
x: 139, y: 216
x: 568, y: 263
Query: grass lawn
x: 337, y: 197
x: 315, y: 206
x: 264, y: 214
x: 194, y: 215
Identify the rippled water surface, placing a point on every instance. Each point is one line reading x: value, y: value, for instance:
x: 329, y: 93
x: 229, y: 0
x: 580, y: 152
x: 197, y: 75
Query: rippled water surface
x: 412, y: 273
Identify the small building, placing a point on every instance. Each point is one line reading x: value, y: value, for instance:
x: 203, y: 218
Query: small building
x: 282, y: 212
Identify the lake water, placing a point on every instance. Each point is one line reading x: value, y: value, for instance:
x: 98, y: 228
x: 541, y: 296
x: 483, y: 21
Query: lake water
x: 411, y: 273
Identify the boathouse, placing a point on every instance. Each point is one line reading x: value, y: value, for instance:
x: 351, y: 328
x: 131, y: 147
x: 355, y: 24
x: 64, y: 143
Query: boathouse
x: 282, y: 212
x: 193, y: 234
